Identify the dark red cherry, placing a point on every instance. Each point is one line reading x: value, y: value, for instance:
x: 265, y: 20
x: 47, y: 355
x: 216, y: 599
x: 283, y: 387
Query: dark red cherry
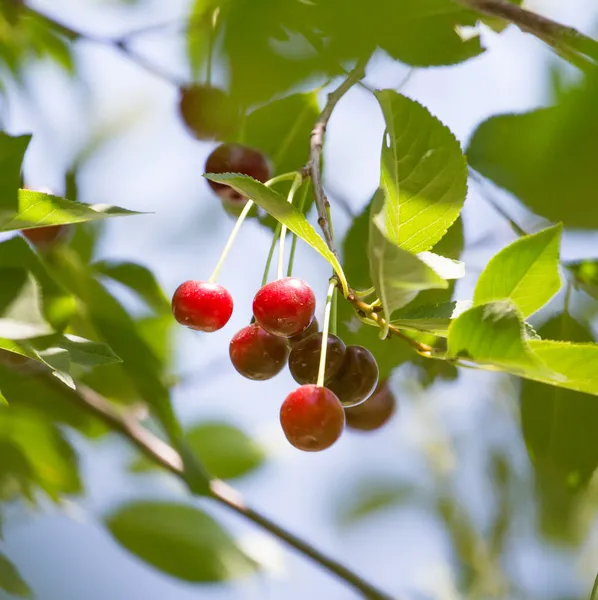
x: 312, y: 418
x: 44, y: 238
x: 374, y: 412
x: 313, y: 327
x: 208, y: 112
x: 285, y: 307
x: 202, y: 305
x: 235, y: 158
x: 357, y: 378
x: 304, y: 360
x: 257, y: 354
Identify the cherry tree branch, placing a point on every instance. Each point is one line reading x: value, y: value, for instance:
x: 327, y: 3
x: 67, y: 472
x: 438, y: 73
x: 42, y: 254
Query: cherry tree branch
x: 165, y: 456
x: 565, y: 40
x: 316, y: 144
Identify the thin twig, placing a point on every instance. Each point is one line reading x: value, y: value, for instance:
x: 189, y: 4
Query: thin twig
x: 564, y: 40
x: 164, y: 455
x: 317, y: 144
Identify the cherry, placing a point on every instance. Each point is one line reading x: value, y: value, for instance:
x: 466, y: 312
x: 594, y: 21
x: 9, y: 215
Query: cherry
x: 202, y: 305
x: 44, y: 238
x: 304, y: 360
x: 357, y: 377
x: 257, y: 354
x: 208, y: 112
x: 234, y: 158
x: 312, y: 418
x: 374, y: 412
x: 313, y: 327
x: 285, y: 307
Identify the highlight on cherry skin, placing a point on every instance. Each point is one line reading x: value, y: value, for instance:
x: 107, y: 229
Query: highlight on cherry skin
x: 202, y: 305
x: 257, y: 354
x: 375, y: 412
x: 357, y: 377
x: 304, y: 360
x: 235, y: 158
x: 312, y: 418
x: 285, y: 307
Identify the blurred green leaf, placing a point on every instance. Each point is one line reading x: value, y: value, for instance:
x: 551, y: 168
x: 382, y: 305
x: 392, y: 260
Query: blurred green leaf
x: 12, y: 151
x: 276, y: 205
x: 4, y: 402
x: 434, y: 319
x: 81, y: 351
x: 559, y: 427
x: 526, y: 272
x: 423, y: 173
x: 179, y: 540
x: 397, y: 274
x: 37, y: 209
x: 586, y: 275
x: 137, y: 278
x: 546, y: 157
x: 11, y: 580
x: 20, y: 306
x: 225, y: 451
x: 46, y: 42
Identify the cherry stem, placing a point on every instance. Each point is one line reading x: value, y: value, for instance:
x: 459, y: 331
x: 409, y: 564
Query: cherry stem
x: 271, y: 253
x: 301, y: 208
x: 230, y: 241
x: 334, y: 311
x: 325, y: 330
x: 283, y: 177
x: 283, y: 232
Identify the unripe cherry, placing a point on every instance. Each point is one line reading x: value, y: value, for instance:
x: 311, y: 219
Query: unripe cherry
x: 257, y: 354
x: 285, y: 307
x: 202, y: 305
x: 312, y: 418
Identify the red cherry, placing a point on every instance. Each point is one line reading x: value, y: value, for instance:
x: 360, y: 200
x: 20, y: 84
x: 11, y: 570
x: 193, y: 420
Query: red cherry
x: 44, y: 238
x: 202, y: 305
x: 357, y: 378
x: 257, y: 354
x: 285, y: 307
x: 209, y: 113
x: 374, y: 412
x: 312, y: 418
x: 234, y: 158
x: 304, y: 360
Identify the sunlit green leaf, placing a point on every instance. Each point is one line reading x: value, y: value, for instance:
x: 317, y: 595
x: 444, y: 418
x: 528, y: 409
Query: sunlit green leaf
x: 546, y: 157
x: 434, y: 319
x: 137, y: 278
x: 11, y: 580
x: 179, y: 540
x: 36, y: 209
x: 276, y: 205
x: 526, y: 272
x: 423, y: 173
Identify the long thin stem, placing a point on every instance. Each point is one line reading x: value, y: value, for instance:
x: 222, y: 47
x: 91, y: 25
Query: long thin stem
x: 317, y: 144
x: 164, y: 455
x: 564, y: 40
x: 325, y: 330
x: 301, y: 209
x: 334, y: 312
x: 283, y: 232
x: 271, y: 253
x: 231, y: 240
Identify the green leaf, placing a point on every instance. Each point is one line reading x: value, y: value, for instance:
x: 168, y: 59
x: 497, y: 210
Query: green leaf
x: 3, y: 402
x: 12, y: 151
x: 586, y: 275
x: 225, y: 451
x: 280, y: 130
x: 276, y: 205
x: 37, y: 209
x: 199, y: 34
x: 397, y: 274
x: 423, y: 173
x: 526, y: 272
x: 20, y: 306
x: 546, y: 157
x: 11, y: 580
x: 137, y: 278
x: 81, y: 351
x: 435, y: 319
x: 559, y: 427
x: 179, y: 540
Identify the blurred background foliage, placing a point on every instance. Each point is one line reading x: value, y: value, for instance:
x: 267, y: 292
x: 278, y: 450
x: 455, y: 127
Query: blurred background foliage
x: 492, y: 477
